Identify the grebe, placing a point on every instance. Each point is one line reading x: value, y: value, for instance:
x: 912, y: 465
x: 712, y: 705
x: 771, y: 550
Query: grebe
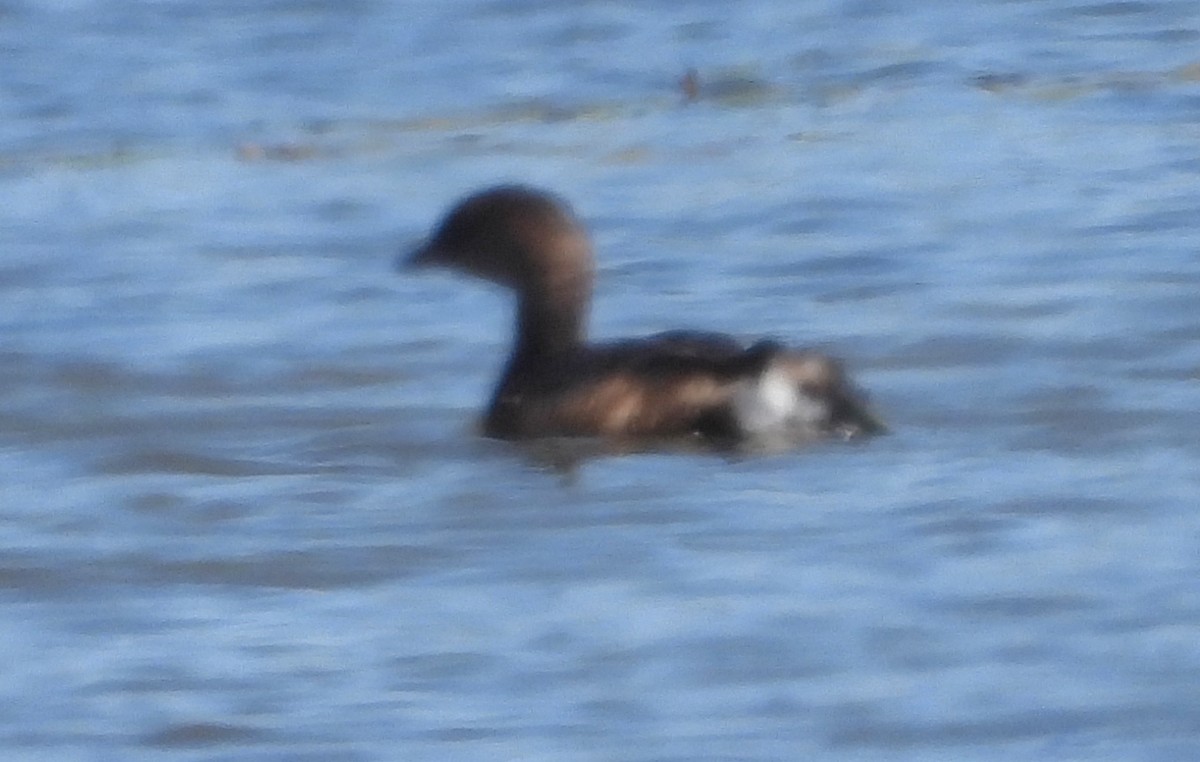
x: 676, y: 384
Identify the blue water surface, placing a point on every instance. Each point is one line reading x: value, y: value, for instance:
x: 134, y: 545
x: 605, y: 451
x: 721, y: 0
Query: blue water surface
x: 245, y: 514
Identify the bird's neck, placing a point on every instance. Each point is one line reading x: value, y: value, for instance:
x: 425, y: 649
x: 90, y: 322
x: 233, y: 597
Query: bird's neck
x: 552, y: 320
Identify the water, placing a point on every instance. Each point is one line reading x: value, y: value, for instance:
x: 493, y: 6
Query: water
x: 243, y: 512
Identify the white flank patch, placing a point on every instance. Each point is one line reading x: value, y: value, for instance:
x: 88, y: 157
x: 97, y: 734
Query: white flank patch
x: 772, y: 403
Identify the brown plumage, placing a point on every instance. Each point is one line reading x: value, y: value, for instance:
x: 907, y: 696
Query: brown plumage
x: 682, y: 383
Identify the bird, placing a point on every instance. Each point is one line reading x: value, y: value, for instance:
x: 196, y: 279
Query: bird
x: 682, y: 384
